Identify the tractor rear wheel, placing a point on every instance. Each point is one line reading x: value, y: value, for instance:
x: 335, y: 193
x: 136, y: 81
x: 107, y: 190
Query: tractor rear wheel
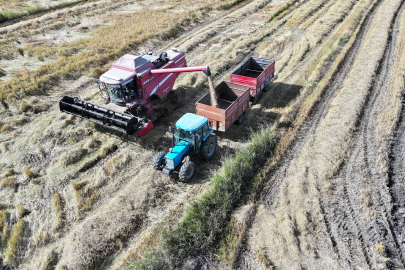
x: 159, y: 161
x: 240, y: 119
x: 186, y: 171
x: 208, y: 147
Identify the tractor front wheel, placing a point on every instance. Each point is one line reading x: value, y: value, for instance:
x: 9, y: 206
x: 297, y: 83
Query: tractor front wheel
x: 208, y: 147
x: 186, y: 171
x: 159, y: 161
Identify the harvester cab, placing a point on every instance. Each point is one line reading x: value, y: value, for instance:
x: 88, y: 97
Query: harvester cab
x: 191, y: 136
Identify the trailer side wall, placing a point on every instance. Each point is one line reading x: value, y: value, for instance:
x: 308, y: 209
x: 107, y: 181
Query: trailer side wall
x: 232, y: 99
x: 255, y: 73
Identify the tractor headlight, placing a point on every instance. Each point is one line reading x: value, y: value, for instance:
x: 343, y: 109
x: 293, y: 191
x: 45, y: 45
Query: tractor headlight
x: 169, y: 163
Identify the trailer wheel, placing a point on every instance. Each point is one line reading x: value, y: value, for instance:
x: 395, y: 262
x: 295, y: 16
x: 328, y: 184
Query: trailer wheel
x: 159, y: 161
x: 186, y: 171
x: 208, y: 147
x: 267, y: 88
x: 254, y: 99
x: 240, y: 119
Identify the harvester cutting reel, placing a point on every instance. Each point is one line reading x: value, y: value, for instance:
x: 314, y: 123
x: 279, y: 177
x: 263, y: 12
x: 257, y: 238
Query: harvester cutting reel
x: 122, y: 122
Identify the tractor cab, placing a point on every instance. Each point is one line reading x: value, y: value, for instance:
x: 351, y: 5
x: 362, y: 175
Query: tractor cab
x: 191, y: 128
x: 191, y: 136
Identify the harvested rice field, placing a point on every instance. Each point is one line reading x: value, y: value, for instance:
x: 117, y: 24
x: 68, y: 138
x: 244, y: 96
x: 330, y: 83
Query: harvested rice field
x: 312, y: 179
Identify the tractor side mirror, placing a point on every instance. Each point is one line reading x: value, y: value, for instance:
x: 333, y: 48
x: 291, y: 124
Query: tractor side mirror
x: 171, y: 129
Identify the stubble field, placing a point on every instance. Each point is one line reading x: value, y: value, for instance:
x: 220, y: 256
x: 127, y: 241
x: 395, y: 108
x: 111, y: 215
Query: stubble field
x: 312, y: 179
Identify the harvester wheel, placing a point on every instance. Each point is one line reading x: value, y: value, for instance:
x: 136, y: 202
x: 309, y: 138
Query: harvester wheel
x: 208, y: 147
x: 240, y: 119
x: 159, y: 161
x: 186, y: 171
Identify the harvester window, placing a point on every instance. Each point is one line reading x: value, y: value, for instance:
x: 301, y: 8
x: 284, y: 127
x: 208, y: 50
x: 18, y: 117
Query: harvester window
x: 115, y: 92
x: 130, y: 85
x: 129, y: 89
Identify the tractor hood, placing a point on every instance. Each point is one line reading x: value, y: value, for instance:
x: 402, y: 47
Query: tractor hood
x: 176, y: 154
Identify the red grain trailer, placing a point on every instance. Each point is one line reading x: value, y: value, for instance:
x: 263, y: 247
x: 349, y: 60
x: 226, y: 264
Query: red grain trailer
x: 255, y: 73
x: 233, y: 100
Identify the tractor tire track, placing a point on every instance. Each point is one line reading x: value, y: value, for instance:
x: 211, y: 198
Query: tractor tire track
x: 357, y: 175
x: 309, y: 55
x: 207, y: 26
x: 316, y: 116
x: 278, y: 175
x: 270, y: 192
x: 319, y: 111
x: 318, y: 12
x: 395, y: 179
x: 396, y: 182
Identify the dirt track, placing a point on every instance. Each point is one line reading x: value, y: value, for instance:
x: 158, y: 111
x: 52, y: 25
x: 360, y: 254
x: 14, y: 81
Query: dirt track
x: 362, y: 207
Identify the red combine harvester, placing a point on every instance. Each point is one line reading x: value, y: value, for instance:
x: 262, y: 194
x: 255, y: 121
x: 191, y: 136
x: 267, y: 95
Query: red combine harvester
x: 134, y: 85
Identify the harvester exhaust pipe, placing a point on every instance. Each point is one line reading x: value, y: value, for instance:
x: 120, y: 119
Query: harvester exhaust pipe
x: 114, y: 120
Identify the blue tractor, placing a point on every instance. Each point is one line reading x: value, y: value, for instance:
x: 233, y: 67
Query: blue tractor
x: 191, y: 136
